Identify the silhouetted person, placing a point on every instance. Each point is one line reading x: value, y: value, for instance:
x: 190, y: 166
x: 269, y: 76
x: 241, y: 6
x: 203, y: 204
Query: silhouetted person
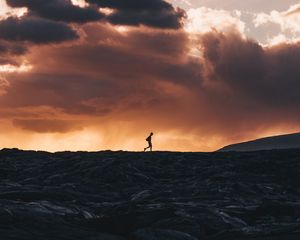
x: 149, y: 140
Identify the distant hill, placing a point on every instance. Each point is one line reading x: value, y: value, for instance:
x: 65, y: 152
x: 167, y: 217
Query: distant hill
x: 276, y: 142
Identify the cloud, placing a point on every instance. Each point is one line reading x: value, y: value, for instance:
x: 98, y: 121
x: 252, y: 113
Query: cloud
x: 202, y: 20
x: 58, y: 10
x: 94, y: 77
x: 122, y: 85
x: 134, y: 18
x: 7, y: 48
x: 35, y: 30
x: 46, y: 125
x: 6, y: 11
x: 293, y: 10
x: 10, y: 53
x: 255, y: 79
x: 102, y: 78
x: 289, y: 22
x: 11, y: 56
x: 246, y: 6
x: 155, y: 13
x: 80, y: 3
x: 4, y: 84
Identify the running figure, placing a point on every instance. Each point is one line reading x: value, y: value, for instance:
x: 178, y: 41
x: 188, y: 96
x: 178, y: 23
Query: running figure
x: 149, y: 140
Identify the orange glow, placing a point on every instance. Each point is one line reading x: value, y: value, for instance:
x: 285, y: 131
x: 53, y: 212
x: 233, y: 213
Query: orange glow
x: 116, y: 135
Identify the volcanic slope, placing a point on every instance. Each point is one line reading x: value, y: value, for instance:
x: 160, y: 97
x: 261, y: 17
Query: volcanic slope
x: 287, y: 141
x: 149, y: 196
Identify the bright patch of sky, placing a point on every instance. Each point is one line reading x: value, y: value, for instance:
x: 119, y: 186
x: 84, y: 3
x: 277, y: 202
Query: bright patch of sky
x: 242, y: 5
x: 5, y: 11
x: 3, y: 7
x: 269, y: 22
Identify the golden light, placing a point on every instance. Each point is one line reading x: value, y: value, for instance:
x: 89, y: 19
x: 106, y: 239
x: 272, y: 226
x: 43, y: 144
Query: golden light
x: 80, y: 3
x: 8, y: 68
x: 122, y: 29
x: 107, y: 11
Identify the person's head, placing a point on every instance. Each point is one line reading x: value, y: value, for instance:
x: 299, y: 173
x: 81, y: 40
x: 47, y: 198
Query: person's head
x: 151, y: 133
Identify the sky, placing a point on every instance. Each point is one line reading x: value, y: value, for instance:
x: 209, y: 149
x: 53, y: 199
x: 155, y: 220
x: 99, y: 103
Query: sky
x: 102, y: 74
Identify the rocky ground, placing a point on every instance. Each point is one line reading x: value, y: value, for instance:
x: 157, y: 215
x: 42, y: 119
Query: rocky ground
x: 150, y: 196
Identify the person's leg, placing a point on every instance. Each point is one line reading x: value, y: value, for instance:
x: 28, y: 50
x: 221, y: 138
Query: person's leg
x: 146, y: 148
x: 150, y: 147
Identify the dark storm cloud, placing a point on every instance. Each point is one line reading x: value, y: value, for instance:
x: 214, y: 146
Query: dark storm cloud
x: 46, y: 125
x: 96, y: 77
x: 11, y: 52
x: 234, y: 71
x: 154, y: 13
x: 138, y: 5
x: 7, y: 48
x: 233, y: 91
x: 35, y: 30
x: 164, y: 19
x: 59, y: 10
x: 270, y: 76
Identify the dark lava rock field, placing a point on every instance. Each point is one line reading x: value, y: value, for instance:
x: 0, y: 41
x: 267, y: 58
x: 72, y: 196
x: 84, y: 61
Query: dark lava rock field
x: 150, y: 196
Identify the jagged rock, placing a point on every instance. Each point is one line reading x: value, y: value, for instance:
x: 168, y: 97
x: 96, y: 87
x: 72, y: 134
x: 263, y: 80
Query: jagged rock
x: 161, y: 234
x: 161, y: 195
x: 141, y: 195
x: 105, y: 237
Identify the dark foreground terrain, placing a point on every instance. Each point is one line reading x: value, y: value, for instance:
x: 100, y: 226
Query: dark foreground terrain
x: 150, y: 196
